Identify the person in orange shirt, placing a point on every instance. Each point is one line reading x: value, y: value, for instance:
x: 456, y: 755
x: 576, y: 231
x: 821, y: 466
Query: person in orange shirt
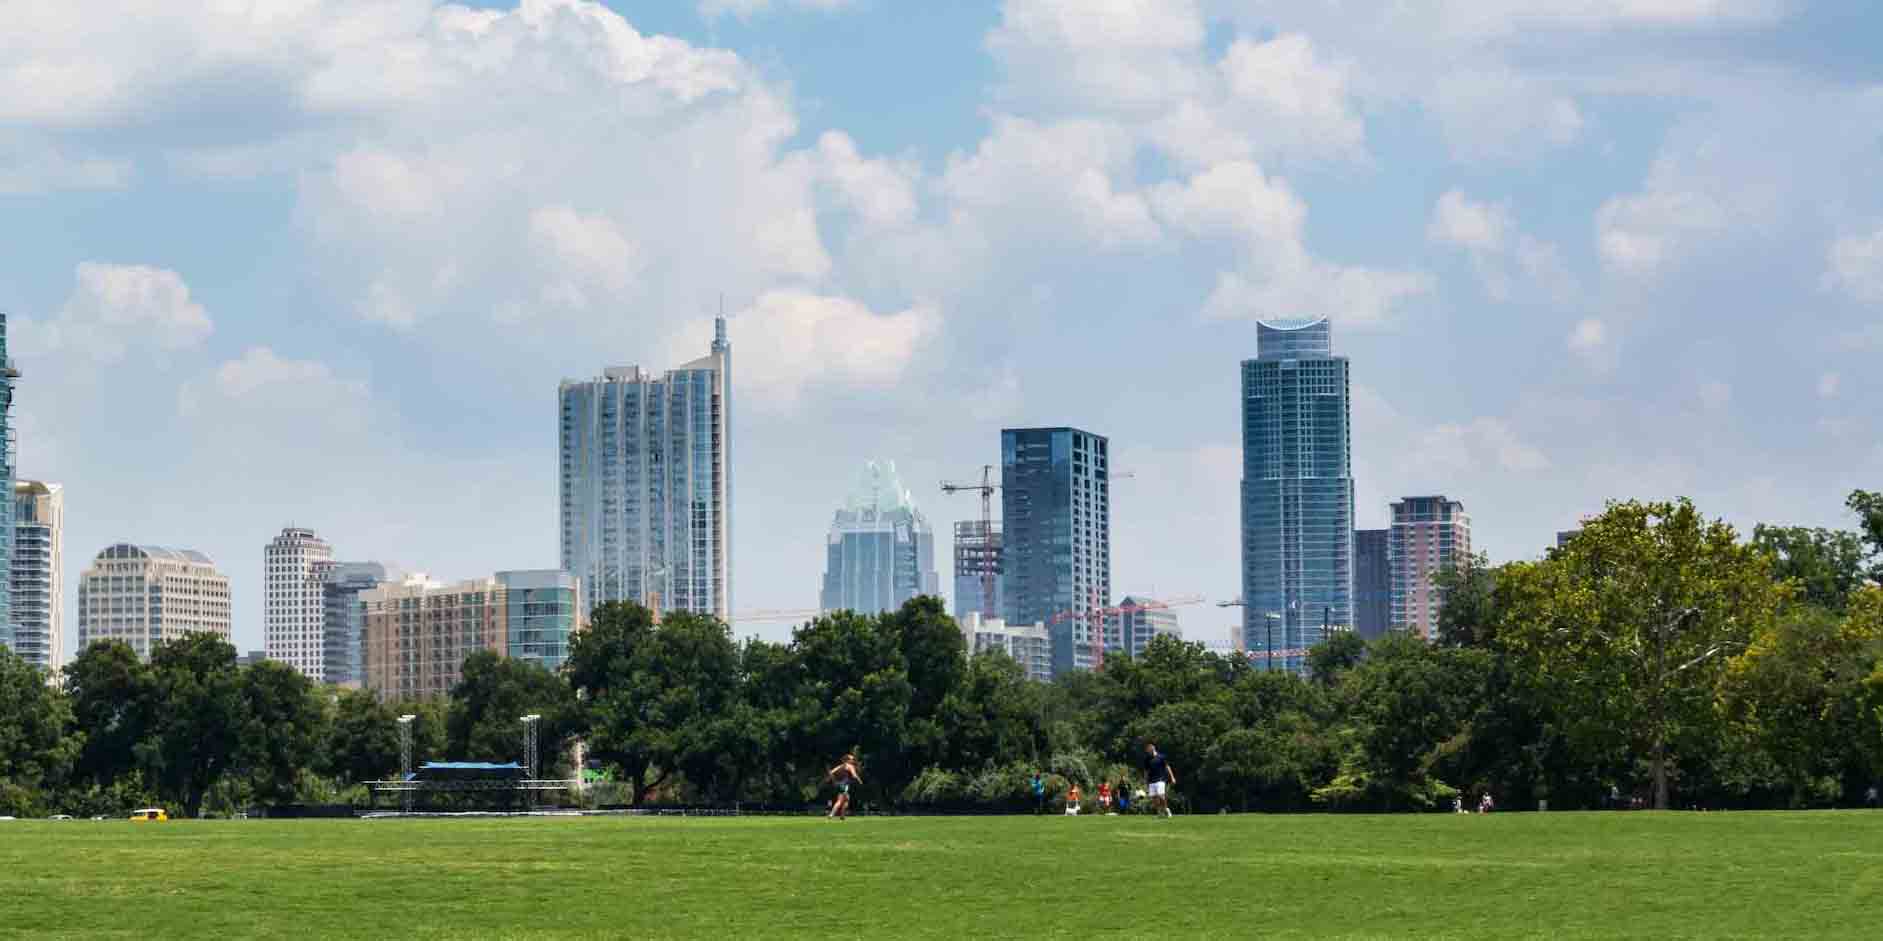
x: 1072, y: 801
x: 1104, y: 796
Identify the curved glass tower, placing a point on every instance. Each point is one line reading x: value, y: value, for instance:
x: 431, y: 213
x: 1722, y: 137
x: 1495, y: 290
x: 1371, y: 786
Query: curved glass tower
x: 1297, y: 492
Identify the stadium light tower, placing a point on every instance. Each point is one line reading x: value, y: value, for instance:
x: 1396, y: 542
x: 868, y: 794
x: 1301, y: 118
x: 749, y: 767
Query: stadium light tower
x: 529, y: 742
x: 405, y: 757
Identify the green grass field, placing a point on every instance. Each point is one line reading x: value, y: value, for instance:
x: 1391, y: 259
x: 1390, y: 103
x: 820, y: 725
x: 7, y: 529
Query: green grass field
x: 1506, y: 875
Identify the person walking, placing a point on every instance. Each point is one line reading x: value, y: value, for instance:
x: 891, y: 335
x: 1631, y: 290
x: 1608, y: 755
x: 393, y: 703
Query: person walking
x: 1039, y: 793
x: 1104, y: 797
x: 1159, y: 777
x: 843, y: 775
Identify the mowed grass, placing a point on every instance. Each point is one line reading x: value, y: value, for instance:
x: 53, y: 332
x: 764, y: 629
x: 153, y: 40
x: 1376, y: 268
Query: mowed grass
x: 1505, y: 875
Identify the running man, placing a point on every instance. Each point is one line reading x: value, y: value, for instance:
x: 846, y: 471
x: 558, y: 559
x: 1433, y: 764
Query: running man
x: 1158, y: 778
x: 844, y: 775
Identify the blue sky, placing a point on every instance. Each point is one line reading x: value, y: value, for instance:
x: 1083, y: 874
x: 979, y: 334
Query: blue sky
x: 324, y: 261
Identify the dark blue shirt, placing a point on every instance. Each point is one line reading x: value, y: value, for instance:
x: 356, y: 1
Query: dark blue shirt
x: 1155, y: 768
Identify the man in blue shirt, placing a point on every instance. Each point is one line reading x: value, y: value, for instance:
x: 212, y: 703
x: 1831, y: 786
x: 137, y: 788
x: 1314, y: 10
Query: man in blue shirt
x: 1158, y: 777
x: 1039, y: 793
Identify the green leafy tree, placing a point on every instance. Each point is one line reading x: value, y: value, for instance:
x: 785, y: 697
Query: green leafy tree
x: 363, y: 740
x: 37, y: 744
x: 111, y: 692
x: 994, y: 716
x: 857, y: 697
x: 1331, y: 658
x: 1406, y: 706
x: 492, y: 694
x: 199, y: 712
x: 1468, y: 617
x: 285, y: 724
x: 1825, y: 565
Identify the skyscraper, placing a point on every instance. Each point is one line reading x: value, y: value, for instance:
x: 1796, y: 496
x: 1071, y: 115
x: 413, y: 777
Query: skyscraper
x: 38, y: 577
x: 146, y: 594
x: 342, y: 619
x: 1056, y: 537
x: 646, y: 472
x: 881, y: 550
x: 1372, y: 583
x: 1429, y: 535
x: 294, y: 611
x: 1137, y: 622
x: 7, y: 375
x: 1297, y: 490
x: 977, y: 570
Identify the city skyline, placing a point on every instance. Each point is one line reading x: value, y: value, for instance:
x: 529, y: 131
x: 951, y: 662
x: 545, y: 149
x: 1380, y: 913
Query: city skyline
x: 1544, y: 240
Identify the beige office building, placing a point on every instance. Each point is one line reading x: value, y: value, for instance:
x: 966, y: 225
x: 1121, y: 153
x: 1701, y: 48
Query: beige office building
x: 145, y: 594
x: 417, y: 632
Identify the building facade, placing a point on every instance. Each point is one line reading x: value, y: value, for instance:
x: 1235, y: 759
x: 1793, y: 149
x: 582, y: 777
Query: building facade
x: 1029, y: 645
x: 646, y: 484
x: 1056, y: 537
x: 1429, y: 535
x: 7, y: 472
x: 38, y: 574
x: 1297, y: 490
x: 294, y: 616
x: 1372, y: 582
x: 881, y: 550
x: 417, y: 632
x: 977, y: 569
x: 1138, y: 622
x: 342, y: 621
x: 146, y: 594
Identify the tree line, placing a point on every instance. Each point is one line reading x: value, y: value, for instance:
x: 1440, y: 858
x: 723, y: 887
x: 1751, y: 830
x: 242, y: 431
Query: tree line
x: 1656, y: 656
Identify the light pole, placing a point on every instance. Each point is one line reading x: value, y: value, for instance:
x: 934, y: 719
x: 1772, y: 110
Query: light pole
x: 405, y: 760
x: 1268, y: 616
x: 529, y: 743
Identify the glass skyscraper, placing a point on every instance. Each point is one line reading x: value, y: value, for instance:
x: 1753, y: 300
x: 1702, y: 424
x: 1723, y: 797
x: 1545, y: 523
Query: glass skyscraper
x: 1297, y: 491
x: 7, y: 472
x: 38, y: 573
x: 342, y: 619
x: 1056, y: 537
x: 881, y: 551
x: 1372, y: 583
x: 646, y: 470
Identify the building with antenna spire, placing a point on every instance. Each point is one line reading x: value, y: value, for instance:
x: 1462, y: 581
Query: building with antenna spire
x: 881, y: 550
x: 646, y: 483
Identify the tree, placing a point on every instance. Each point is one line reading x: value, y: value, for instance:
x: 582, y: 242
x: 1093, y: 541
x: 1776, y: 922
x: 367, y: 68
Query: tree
x: 1628, y: 629
x: 1825, y: 565
x: 1468, y: 618
x: 110, y: 690
x: 491, y: 696
x: 363, y: 741
x: 37, y: 745
x: 856, y: 697
x: 994, y: 716
x: 284, y: 727
x: 1869, y: 509
x: 1334, y: 656
x: 1406, y: 705
x: 199, y: 711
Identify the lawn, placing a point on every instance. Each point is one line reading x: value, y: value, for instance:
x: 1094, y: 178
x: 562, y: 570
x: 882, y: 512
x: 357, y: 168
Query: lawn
x: 1505, y: 875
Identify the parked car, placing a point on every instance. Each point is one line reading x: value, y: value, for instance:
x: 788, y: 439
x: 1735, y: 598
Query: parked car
x: 149, y: 814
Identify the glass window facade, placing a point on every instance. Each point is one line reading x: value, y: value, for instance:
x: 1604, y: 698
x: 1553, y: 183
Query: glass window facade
x: 645, y: 469
x: 1429, y: 534
x: 7, y: 375
x: 343, y: 620
x: 1297, y: 492
x: 881, y: 550
x: 1056, y: 537
x: 1372, y: 583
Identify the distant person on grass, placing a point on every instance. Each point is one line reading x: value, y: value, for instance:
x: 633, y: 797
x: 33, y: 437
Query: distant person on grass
x: 1072, y: 801
x: 1158, y: 779
x: 1104, y: 797
x: 1039, y: 793
x: 844, y: 775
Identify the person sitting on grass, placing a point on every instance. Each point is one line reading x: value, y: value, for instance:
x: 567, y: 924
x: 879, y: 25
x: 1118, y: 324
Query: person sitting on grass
x: 1072, y: 801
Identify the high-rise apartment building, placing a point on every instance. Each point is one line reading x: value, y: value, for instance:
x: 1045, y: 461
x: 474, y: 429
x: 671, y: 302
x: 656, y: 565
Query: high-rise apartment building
x: 977, y: 569
x: 294, y: 610
x: 646, y: 494
x: 1372, y: 582
x: 7, y: 471
x: 1137, y: 622
x: 881, y: 550
x: 1297, y: 491
x: 1056, y: 537
x: 417, y: 632
x: 1028, y: 644
x: 38, y: 576
x: 146, y: 594
x: 1429, y: 535
x: 343, y: 620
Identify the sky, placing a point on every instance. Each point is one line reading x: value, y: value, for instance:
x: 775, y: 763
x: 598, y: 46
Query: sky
x: 323, y: 262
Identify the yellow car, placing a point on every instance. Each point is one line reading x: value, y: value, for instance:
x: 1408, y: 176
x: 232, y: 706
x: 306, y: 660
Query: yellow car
x: 149, y: 814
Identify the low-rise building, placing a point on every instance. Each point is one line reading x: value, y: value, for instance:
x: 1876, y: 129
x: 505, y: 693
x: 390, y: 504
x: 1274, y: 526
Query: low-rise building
x: 417, y: 632
x: 1138, y: 621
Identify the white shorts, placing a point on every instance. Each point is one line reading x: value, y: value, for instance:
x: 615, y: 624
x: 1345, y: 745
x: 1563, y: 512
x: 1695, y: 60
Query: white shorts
x: 1157, y: 788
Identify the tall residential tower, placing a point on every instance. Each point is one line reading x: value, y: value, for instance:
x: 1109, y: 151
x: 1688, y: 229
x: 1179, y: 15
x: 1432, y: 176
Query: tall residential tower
x: 294, y: 611
x: 881, y: 550
x: 1297, y: 490
x: 1429, y: 535
x: 1056, y: 537
x: 38, y: 576
x: 646, y: 492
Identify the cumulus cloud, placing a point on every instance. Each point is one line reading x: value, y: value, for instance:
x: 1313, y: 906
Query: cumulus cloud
x: 882, y: 192
x: 746, y: 9
x: 1503, y: 257
x: 1461, y: 222
x: 790, y: 342
x: 1028, y: 178
x: 113, y: 308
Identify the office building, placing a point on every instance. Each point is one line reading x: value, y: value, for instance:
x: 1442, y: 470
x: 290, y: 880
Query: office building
x: 342, y: 619
x: 1138, y: 621
x: 295, y: 565
x: 1056, y: 537
x: 38, y: 576
x: 417, y: 632
x: 977, y: 569
x: 1297, y: 490
x: 143, y: 595
x: 1029, y: 645
x: 1429, y: 535
x: 251, y: 658
x: 646, y: 493
x: 881, y: 549
x: 1372, y: 582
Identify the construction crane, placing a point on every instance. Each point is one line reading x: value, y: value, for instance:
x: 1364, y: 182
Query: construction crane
x: 1097, y: 614
x: 989, y: 561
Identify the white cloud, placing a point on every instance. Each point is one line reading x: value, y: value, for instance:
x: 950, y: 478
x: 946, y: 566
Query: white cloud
x: 1503, y: 257
x: 115, y: 307
x: 30, y: 164
x: 789, y: 342
x: 586, y: 251
x: 1460, y: 222
x: 274, y: 390
x: 1638, y: 235
x: 1129, y: 55
x: 746, y: 9
x: 1856, y: 266
x: 1029, y: 180
x: 880, y: 191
